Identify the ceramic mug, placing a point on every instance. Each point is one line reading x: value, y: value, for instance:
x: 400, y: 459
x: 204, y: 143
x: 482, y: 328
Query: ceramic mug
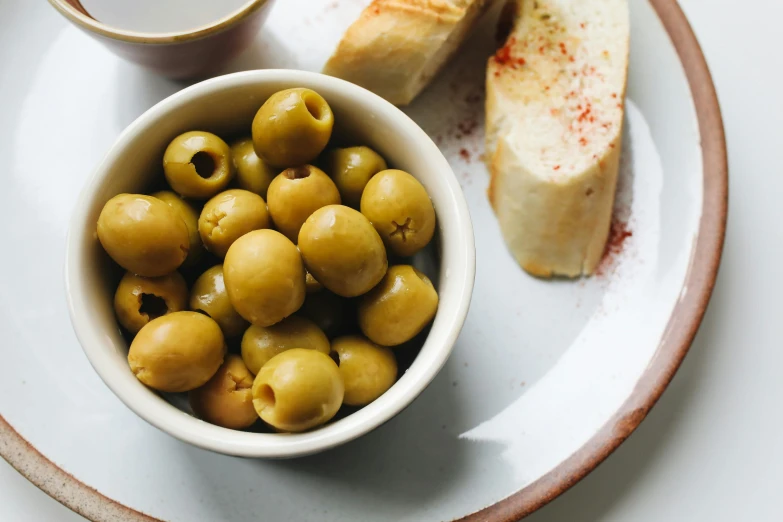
x: 179, y: 55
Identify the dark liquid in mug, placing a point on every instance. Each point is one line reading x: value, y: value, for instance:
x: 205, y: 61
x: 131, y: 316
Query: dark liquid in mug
x: 160, y: 16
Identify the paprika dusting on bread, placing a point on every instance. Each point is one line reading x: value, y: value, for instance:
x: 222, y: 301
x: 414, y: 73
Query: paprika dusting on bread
x: 554, y: 123
x: 554, y: 49
x: 504, y: 57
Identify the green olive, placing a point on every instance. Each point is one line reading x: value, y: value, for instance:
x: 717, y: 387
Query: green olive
x: 368, y: 370
x: 177, y: 352
x: 190, y: 217
x: 400, y: 210
x: 229, y: 216
x: 264, y: 276
x: 292, y: 128
x: 342, y: 250
x: 209, y: 295
x: 399, y: 307
x: 261, y: 343
x: 227, y: 398
x: 143, y: 234
x: 252, y: 173
x: 295, y: 194
x: 327, y: 310
x: 351, y: 168
x: 138, y: 300
x: 298, y: 390
x: 198, y: 164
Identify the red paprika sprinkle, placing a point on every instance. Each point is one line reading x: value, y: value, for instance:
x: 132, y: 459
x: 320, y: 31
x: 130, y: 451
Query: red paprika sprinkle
x: 467, y: 126
x: 615, y: 244
x: 503, y: 56
x: 580, y: 119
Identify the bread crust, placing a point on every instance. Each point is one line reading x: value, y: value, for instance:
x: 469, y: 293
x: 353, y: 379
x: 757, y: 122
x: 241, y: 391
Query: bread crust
x: 396, y: 47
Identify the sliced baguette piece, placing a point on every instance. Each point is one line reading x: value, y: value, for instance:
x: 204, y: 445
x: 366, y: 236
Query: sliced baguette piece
x: 554, y: 123
x: 396, y: 47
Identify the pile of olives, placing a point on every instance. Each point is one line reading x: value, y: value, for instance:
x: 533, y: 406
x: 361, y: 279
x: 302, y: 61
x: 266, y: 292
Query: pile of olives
x: 282, y: 244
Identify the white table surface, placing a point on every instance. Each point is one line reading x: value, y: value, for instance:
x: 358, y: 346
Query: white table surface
x: 711, y: 449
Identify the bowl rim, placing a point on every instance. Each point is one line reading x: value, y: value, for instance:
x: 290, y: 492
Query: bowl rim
x: 164, y: 416
x: 80, y: 17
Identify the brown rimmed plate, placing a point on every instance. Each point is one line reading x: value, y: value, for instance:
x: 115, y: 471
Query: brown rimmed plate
x: 547, y: 378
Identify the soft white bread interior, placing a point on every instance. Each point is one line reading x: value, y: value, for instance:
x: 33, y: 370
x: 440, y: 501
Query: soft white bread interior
x: 396, y: 47
x: 554, y: 127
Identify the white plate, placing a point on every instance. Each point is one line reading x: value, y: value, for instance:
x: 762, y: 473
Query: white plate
x: 546, y: 379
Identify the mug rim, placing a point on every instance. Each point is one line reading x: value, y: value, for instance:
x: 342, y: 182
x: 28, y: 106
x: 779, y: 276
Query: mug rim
x: 94, y: 26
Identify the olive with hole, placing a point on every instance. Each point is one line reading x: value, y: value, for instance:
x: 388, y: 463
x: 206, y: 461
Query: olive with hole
x: 138, y: 300
x: 399, y: 307
x: 292, y: 128
x: 295, y: 194
x: 190, y: 216
x: 261, y: 343
x: 143, y: 234
x: 227, y: 398
x: 342, y: 250
x: 351, y: 168
x: 209, y: 295
x: 400, y: 210
x: 368, y: 370
x: 264, y: 277
x: 177, y: 352
x: 252, y: 173
x: 298, y: 390
x: 229, y: 216
x: 198, y: 164
x: 327, y: 310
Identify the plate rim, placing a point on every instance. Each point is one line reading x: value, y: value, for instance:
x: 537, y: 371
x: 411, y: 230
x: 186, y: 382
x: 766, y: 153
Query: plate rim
x: 687, y: 315
x: 683, y: 325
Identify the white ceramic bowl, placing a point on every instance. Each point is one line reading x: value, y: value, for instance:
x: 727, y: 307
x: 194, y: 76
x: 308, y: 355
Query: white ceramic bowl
x: 226, y: 105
